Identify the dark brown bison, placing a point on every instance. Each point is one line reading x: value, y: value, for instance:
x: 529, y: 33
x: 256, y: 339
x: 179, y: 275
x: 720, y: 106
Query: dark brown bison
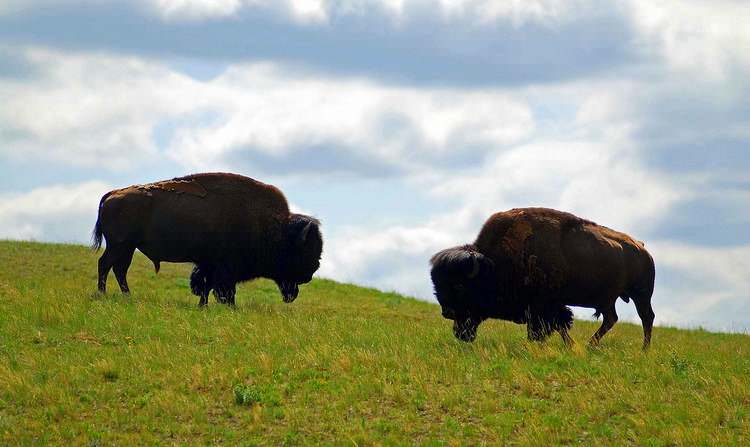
x: 528, y: 264
x: 233, y: 228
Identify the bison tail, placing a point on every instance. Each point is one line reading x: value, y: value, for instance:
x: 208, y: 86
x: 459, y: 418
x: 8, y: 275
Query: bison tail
x: 97, y: 235
x: 650, y: 277
x: 643, y: 287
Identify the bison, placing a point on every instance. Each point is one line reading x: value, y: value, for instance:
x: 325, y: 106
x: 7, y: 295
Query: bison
x: 233, y: 228
x: 529, y: 264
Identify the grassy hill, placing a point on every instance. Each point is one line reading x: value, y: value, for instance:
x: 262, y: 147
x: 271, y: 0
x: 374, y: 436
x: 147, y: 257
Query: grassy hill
x: 342, y: 365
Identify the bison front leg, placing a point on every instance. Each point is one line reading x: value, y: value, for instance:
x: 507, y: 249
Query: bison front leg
x: 231, y: 292
x: 563, y: 321
x: 610, y: 318
x: 200, y: 283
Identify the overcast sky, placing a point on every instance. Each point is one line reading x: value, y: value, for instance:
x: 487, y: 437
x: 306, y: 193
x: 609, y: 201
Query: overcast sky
x: 401, y: 124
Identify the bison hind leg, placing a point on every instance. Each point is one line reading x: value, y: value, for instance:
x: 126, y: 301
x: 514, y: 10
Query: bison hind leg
x: 610, y: 318
x: 646, y: 314
x: 119, y: 256
x: 121, y: 266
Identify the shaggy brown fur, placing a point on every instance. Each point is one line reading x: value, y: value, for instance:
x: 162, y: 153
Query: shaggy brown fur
x: 224, y: 223
x: 528, y: 264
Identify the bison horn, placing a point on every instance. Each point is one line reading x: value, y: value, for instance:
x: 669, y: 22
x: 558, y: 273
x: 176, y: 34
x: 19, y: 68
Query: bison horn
x: 305, y: 232
x: 474, y: 268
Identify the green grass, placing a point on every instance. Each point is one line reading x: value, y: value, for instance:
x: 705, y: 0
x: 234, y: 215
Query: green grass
x: 343, y: 365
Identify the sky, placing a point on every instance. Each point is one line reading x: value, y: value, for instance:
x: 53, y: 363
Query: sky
x: 401, y: 124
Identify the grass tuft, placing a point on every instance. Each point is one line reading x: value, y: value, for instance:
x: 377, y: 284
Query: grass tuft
x: 247, y: 395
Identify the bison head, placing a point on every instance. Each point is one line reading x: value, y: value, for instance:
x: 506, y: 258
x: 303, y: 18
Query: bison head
x: 465, y: 287
x: 301, y: 257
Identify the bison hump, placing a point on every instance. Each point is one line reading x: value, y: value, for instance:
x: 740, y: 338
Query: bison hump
x: 189, y: 187
x: 532, y: 244
x: 221, y: 183
x: 184, y: 187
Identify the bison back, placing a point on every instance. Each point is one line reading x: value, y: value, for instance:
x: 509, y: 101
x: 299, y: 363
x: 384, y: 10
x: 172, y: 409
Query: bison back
x: 196, y: 218
x: 556, y: 256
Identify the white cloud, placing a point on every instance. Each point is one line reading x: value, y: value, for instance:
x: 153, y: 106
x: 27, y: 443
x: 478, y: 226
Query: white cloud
x: 713, y: 283
x: 272, y: 112
x: 391, y: 258
x: 518, y: 12
x: 300, y: 11
x: 59, y: 212
x: 93, y: 109
x: 195, y: 9
x: 89, y: 109
x: 707, y: 37
x: 319, y: 12
x: 586, y: 161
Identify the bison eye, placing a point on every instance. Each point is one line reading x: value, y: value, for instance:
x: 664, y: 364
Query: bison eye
x: 459, y: 287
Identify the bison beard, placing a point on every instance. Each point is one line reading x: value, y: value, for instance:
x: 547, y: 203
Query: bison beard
x: 232, y: 228
x: 528, y: 265
x: 204, y: 278
x: 289, y: 291
x: 465, y: 329
x: 543, y: 322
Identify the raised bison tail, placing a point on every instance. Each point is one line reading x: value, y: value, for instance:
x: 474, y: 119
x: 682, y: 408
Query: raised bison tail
x: 97, y: 235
